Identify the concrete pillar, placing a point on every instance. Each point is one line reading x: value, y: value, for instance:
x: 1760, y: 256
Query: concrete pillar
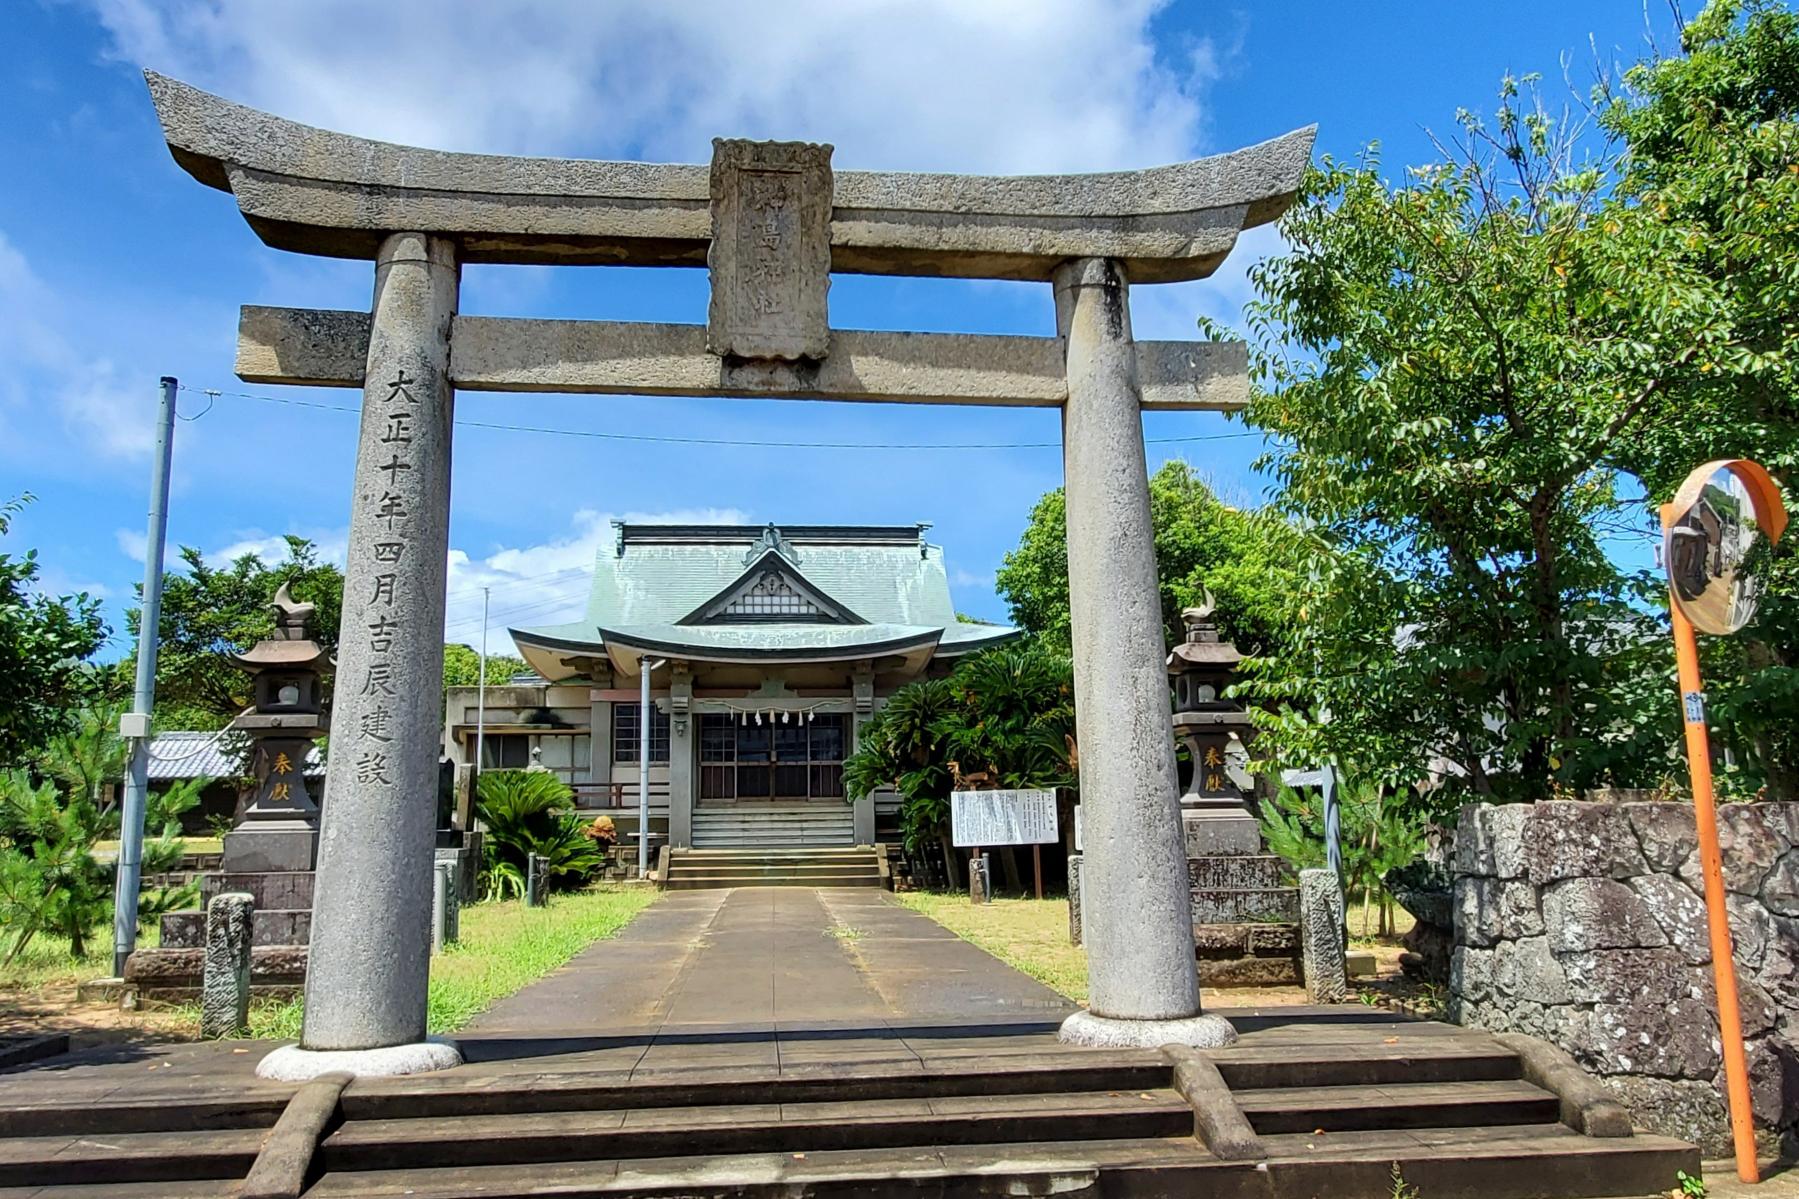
x: 681, y: 742
x: 371, y: 921
x: 862, y: 811
x: 599, y: 724
x: 1143, y: 985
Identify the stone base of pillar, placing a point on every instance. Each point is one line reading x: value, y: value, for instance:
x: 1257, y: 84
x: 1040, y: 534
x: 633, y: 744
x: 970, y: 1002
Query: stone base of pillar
x: 290, y: 1063
x: 1202, y: 1032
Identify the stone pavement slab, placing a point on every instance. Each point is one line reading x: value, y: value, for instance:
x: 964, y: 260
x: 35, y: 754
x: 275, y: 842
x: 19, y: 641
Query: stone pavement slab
x: 751, y: 966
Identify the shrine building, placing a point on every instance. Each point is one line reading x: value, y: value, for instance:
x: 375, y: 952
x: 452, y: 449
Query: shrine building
x: 766, y: 648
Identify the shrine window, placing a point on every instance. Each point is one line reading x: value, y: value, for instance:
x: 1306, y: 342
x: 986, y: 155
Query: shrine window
x: 625, y: 723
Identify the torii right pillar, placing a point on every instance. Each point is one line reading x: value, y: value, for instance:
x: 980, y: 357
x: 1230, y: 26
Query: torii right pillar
x: 1142, y: 979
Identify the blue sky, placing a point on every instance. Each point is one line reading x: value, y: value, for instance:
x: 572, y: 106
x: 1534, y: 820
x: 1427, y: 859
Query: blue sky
x: 116, y: 268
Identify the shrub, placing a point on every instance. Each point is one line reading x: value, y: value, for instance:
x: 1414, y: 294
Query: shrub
x: 532, y: 812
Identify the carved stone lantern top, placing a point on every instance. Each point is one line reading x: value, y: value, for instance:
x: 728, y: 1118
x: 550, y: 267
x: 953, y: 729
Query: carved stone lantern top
x: 286, y: 666
x: 1202, y: 667
x: 291, y: 647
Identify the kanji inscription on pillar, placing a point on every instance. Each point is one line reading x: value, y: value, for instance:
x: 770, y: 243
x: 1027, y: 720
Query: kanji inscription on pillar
x: 770, y: 257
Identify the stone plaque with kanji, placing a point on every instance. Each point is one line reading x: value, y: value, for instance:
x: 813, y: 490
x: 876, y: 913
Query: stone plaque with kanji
x: 770, y: 257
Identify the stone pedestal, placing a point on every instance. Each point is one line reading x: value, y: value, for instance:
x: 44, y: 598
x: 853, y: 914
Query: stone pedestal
x: 280, y: 926
x: 1139, y: 937
x: 270, y: 845
x: 1225, y: 829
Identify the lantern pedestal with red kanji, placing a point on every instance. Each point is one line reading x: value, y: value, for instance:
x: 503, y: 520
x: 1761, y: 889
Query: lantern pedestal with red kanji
x: 270, y: 854
x: 278, y: 822
x: 1245, y: 904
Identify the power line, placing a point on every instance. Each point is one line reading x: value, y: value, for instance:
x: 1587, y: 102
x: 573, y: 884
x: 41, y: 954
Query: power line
x: 725, y: 441
x: 535, y: 607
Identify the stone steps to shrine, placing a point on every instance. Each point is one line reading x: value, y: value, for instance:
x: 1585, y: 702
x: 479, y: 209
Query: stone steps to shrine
x: 824, y: 824
x: 697, y: 869
x: 1334, y: 1113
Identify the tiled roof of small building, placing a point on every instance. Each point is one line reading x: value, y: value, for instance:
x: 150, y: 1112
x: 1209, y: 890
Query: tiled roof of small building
x: 189, y: 755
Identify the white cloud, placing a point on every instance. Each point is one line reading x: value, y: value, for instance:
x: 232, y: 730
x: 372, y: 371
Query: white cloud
x: 973, y: 85
x: 48, y: 371
x: 328, y: 546
x: 1169, y: 310
x: 54, y: 581
x: 545, y: 583
x: 132, y: 543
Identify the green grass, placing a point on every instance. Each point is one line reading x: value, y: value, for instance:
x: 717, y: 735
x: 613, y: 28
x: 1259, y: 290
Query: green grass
x: 504, y: 946
x: 1027, y: 934
x: 110, y: 849
x: 47, y: 963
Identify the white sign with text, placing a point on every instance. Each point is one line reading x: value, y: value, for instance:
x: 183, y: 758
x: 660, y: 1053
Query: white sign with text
x: 979, y: 819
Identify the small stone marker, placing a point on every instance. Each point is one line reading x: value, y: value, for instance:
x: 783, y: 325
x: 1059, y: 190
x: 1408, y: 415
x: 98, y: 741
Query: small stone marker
x: 1321, y: 935
x: 225, y: 983
x: 446, y: 907
x: 980, y: 881
x: 1074, y: 896
x: 536, y: 880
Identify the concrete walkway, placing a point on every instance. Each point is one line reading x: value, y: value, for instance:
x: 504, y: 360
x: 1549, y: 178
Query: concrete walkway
x: 754, y: 978
x: 772, y: 956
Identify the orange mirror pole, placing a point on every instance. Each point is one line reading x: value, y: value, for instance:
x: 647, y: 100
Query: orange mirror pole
x: 1711, y: 863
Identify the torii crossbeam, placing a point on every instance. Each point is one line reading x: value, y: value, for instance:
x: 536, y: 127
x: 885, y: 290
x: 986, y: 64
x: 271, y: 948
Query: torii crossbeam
x: 771, y: 221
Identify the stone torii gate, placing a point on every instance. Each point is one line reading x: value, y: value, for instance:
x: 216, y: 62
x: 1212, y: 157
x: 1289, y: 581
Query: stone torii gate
x: 771, y: 221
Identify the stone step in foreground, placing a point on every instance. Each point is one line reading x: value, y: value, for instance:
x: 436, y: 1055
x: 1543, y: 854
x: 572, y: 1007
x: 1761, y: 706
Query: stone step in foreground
x: 1331, y: 1110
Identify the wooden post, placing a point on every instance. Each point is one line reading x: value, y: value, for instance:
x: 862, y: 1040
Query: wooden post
x: 1705, y: 818
x: 1037, y: 867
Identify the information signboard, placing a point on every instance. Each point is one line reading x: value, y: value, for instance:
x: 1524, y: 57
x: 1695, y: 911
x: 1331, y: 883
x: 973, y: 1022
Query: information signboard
x: 983, y: 819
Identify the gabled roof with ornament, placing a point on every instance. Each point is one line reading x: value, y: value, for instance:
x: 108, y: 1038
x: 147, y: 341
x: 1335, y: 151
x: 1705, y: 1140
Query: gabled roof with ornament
x: 770, y: 593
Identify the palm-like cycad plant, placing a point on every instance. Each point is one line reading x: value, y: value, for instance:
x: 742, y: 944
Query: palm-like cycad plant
x: 529, y: 812
x: 1006, y: 714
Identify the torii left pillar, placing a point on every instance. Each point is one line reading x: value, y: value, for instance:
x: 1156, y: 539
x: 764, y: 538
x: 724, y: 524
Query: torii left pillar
x: 370, y: 956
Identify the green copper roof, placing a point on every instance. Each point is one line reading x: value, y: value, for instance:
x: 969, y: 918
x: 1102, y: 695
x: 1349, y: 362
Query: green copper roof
x: 888, y: 584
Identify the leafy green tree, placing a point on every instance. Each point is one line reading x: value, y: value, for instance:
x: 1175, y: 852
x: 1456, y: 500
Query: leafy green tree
x: 51, y: 880
x: 462, y: 667
x: 1003, y: 718
x: 528, y: 812
x: 1243, y: 557
x: 1378, y: 829
x: 45, y: 642
x: 1453, y: 369
x: 1711, y: 160
x: 209, y: 613
x: 89, y: 754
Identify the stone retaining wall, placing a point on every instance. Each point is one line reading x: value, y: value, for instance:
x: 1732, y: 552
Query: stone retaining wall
x: 1583, y: 923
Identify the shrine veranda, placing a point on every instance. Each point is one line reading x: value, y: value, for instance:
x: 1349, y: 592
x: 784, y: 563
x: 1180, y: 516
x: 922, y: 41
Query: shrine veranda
x: 770, y: 221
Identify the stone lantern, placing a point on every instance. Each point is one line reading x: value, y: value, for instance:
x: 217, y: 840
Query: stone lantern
x: 278, y: 830
x: 1214, y: 808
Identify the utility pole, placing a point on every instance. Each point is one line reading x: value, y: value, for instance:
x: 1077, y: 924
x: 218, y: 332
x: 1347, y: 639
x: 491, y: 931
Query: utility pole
x: 134, y: 726
x: 481, y: 695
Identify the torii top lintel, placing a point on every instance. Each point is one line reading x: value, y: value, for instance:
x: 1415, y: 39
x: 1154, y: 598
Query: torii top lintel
x: 318, y: 192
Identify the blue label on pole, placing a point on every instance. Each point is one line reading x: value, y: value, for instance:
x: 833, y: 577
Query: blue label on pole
x: 1695, y: 706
